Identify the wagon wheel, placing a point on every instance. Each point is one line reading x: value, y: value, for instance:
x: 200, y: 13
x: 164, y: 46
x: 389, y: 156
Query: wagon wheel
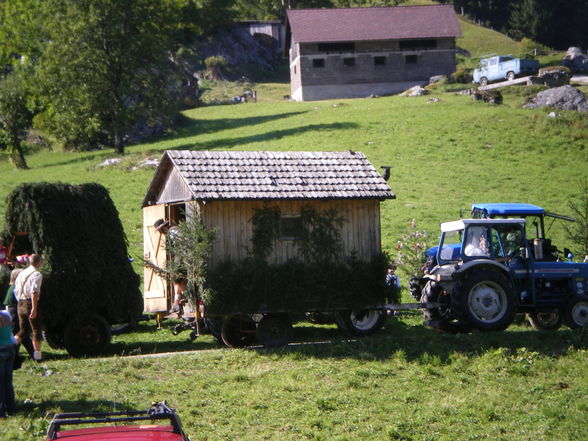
x: 274, y: 330
x: 547, y: 320
x: 238, y: 331
x: 364, y: 322
x: 87, y: 336
x: 53, y: 338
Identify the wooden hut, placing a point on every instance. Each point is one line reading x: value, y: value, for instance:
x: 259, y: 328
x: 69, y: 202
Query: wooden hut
x: 224, y: 189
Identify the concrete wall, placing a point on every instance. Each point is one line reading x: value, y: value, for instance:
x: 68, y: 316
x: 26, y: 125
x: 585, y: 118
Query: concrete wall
x: 372, y: 68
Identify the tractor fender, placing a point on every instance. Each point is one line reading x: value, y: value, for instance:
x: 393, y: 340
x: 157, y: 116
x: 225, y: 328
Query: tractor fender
x: 478, y: 263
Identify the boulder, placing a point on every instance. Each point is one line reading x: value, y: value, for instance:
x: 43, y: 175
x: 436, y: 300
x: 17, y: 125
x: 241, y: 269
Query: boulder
x: 576, y: 60
x: 491, y: 96
x: 564, y: 98
x: 415, y: 91
x: 437, y: 78
x: 554, y: 76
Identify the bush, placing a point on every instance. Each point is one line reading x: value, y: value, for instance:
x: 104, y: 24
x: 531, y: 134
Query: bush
x: 461, y: 76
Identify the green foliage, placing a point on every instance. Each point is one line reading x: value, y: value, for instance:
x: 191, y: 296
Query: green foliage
x: 411, y: 249
x: 112, y: 75
x: 461, y: 75
x: 15, y: 117
x: 578, y: 231
x: 296, y: 286
x: 86, y: 267
x: 214, y: 66
x: 189, y: 250
x: 317, y: 279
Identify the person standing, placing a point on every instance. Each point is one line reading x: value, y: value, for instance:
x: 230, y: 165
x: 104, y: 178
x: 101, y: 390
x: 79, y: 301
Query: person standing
x: 11, y: 303
x: 28, y: 290
x: 7, y: 354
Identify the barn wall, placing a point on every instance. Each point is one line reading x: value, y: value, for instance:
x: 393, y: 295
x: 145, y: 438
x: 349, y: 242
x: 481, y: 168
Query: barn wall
x: 360, y: 232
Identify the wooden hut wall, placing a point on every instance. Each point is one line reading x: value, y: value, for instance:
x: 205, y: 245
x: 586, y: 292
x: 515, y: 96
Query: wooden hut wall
x: 174, y: 189
x: 232, y: 220
x: 155, y: 296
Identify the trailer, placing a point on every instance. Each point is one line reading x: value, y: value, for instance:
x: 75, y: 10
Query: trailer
x: 294, y: 233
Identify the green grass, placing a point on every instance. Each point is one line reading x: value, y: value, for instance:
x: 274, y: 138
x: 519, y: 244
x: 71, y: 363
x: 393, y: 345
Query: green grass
x: 405, y: 383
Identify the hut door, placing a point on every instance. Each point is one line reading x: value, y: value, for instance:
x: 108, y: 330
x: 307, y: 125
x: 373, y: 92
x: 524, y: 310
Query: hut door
x: 155, y: 284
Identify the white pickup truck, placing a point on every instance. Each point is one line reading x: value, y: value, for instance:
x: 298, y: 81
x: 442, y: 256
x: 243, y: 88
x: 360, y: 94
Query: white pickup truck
x: 503, y: 67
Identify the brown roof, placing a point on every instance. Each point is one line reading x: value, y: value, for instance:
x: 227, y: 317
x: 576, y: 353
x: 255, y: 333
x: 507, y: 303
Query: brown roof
x: 372, y: 24
x: 271, y: 175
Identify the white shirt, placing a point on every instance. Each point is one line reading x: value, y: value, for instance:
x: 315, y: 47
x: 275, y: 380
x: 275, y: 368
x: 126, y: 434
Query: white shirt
x: 27, y: 282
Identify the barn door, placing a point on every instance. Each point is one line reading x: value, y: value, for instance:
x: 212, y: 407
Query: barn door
x: 155, y: 295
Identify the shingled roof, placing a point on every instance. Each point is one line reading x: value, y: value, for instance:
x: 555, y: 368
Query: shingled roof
x: 372, y: 24
x: 214, y: 175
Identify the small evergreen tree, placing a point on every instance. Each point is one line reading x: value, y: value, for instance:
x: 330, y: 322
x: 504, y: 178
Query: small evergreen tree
x: 578, y: 231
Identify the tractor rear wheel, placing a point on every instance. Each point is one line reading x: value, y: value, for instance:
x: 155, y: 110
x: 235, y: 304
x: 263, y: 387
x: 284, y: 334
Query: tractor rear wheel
x: 485, y: 299
x: 547, y: 320
x: 577, y: 312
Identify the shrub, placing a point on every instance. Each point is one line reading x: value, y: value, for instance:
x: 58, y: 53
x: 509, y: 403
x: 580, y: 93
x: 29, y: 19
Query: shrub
x: 461, y: 76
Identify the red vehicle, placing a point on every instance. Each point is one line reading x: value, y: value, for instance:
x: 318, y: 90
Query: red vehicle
x: 119, y: 426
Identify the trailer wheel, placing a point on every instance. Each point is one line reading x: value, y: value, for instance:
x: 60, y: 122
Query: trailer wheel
x: 483, y: 81
x: 238, y: 331
x: 215, y: 326
x: 365, y: 322
x: 510, y: 75
x: 577, y: 312
x: 274, y: 330
x: 54, y: 339
x: 439, y: 318
x: 87, y: 336
x: 546, y: 321
x: 486, y: 300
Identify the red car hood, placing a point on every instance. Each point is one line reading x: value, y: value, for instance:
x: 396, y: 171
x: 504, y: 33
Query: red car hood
x: 122, y: 433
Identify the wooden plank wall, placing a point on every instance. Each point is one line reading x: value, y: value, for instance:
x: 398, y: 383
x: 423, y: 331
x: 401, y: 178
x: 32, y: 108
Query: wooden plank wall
x: 232, y: 220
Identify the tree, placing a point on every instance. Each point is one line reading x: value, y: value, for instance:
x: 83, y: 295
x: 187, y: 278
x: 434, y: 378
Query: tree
x: 104, y: 69
x: 15, y: 117
x: 578, y: 231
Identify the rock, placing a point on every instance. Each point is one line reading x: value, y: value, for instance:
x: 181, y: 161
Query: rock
x: 109, y: 162
x: 415, y: 91
x: 554, y: 76
x: 433, y: 100
x: 575, y: 60
x: 564, y: 98
x: 437, y: 78
x: 491, y: 96
x: 552, y: 115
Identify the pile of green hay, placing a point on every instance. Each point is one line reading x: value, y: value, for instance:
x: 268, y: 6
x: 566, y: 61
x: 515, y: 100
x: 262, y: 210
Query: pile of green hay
x: 86, y: 268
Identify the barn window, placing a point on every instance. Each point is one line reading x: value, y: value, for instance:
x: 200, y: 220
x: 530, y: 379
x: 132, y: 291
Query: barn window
x: 379, y: 61
x: 336, y: 47
x: 318, y: 62
x: 290, y: 226
x: 410, y: 59
x: 417, y: 44
x: 349, y: 61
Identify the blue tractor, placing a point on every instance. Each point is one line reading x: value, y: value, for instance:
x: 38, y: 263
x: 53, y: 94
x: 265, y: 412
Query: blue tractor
x: 491, y: 267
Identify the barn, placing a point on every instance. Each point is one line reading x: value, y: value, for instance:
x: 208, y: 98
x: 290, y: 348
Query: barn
x: 225, y: 188
x: 357, y: 52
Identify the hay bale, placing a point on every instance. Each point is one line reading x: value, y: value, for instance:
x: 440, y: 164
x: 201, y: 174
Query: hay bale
x: 86, y: 268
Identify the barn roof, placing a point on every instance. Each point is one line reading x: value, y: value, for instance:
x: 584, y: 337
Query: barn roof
x: 372, y: 24
x: 223, y: 175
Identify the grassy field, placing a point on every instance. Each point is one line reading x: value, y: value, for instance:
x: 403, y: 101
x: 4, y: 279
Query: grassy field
x: 406, y: 383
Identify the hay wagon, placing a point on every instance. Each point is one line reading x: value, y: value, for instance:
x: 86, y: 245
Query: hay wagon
x: 314, y: 215
x: 88, y: 281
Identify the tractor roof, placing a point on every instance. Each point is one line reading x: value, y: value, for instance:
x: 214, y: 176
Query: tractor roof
x: 462, y: 223
x: 509, y: 209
